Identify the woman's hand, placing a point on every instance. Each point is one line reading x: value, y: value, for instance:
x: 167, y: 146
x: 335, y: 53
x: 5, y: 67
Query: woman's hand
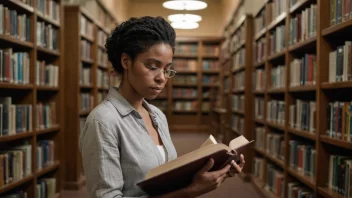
x: 236, y: 168
x: 205, y: 181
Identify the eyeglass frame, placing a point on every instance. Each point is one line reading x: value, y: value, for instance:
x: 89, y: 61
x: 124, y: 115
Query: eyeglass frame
x: 157, y: 73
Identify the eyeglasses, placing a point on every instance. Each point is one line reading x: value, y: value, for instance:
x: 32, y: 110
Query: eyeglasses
x: 152, y: 70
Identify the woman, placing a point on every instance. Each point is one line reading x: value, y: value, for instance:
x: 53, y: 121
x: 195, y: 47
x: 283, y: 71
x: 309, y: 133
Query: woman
x: 124, y: 136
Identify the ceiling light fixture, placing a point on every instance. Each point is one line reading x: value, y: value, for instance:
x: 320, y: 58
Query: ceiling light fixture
x: 185, y: 5
x: 184, y: 18
x: 185, y: 25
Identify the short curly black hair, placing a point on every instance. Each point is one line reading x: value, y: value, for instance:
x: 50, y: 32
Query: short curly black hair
x: 136, y: 36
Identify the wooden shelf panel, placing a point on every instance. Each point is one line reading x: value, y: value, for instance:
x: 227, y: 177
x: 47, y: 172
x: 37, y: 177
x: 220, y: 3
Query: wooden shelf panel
x: 209, y: 56
x: 277, y: 161
x: 210, y: 71
x: 241, y: 91
x: 184, y: 85
x: 184, y: 111
x: 54, y: 128
x: 337, y: 85
x: 15, y: 86
x: 259, y: 64
x: 301, y: 46
x: 85, y: 37
x: 277, y: 91
x: 22, y: 135
x: 260, y: 121
x: 47, y: 169
x: 239, y: 69
x: 237, y: 112
x: 84, y: 113
x: 100, y: 66
x: 15, y: 41
x: 86, y: 86
x: 19, y: 5
x: 309, y: 181
x: 336, y: 142
x: 220, y: 110
x: 277, y: 21
x: 337, y: 28
x: 210, y: 85
x: 304, y: 88
x: 260, y: 34
x: 259, y: 92
x: 184, y: 98
x: 299, y: 5
x: 41, y: 17
x: 185, y: 56
x: 260, y: 151
x: 328, y: 192
x: 15, y: 184
x: 305, y: 134
x: 277, y: 55
x: 275, y: 125
x: 260, y: 186
x: 48, y: 51
x: 103, y: 88
x: 47, y: 88
x: 87, y: 61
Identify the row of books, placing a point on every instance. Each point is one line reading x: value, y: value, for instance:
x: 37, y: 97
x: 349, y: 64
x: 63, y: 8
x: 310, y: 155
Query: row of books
x: 277, y: 40
x: 303, y: 71
x: 260, y: 50
x: 340, y: 174
x: 27, y: 2
x: 258, y: 167
x: 86, y: 27
x: 161, y: 104
x: 185, y: 79
x: 302, y: 115
x: 86, y: 49
x: 46, y: 188
x: 102, y: 78
x: 85, y: 75
x: 45, y: 153
x: 210, y: 65
x: 276, y: 111
x: 189, y: 49
x: 297, y: 190
x: 101, y: 96
x: 15, y: 163
x: 47, y: 74
x: 259, y: 107
x: 238, y: 81
x: 49, y: 8
x: 185, y: 65
x: 259, y: 79
x: 275, y: 8
x: 237, y: 124
x: 275, y: 181
x: 237, y: 39
x: 17, y: 194
x: 186, y: 105
x: 210, y: 79
x: 102, y: 57
x: 47, y: 36
x: 340, y: 11
x: 212, y: 50
x: 226, y: 83
x: 278, y: 77
x: 275, y: 145
x: 46, y: 115
x: 14, y: 24
x: 339, y: 119
x: 87, y: 102
x: 101, y: 38
x: 184, y: 92
x: 238, y: 102
x: 260, y: 21
x: 260, y: 135
x: 14, y: 118
x: 14, y: 66
x: 239, y: 59
x: 340, y: 63
x: 206, y: 106
x: 302, y: 158
x: 303, y: 25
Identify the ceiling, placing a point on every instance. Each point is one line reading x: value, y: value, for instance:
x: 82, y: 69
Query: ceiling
x: 212, y: 1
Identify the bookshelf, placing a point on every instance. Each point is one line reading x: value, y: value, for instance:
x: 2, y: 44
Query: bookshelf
x: 31, y: 98
x: 299, y: 100
x: 188, y: 97
x: 86, y: 82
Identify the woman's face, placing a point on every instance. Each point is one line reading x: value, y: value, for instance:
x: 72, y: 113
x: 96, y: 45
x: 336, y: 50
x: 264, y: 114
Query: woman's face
x: 146, y: 76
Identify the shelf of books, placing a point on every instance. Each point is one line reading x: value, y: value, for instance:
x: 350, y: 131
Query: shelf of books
x: 302, y: 98
x: 31, y: 96
x: 86, y: 82
x: 190, y: 95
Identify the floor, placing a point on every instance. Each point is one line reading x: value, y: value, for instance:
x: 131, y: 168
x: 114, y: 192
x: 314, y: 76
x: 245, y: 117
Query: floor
x: 185, y: 142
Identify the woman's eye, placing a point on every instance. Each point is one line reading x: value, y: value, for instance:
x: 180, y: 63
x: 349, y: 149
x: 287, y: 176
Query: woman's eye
x: 153, y: 68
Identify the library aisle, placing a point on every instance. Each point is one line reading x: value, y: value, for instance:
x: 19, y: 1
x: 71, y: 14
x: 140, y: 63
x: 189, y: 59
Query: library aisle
x: 275, y: 71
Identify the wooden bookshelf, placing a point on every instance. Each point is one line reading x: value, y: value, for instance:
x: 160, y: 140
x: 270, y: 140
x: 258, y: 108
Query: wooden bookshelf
x: 77, y: 83
x: 33, y: 94
x: 325, y: 39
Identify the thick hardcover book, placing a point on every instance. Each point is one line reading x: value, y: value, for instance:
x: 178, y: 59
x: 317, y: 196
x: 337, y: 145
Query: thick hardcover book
x: 179, y: 172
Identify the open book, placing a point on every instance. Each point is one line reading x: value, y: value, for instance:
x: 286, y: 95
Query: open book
x: 178, y: 173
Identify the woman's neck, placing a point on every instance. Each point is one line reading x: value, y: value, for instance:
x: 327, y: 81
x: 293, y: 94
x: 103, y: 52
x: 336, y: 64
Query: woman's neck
x: 131, y: 96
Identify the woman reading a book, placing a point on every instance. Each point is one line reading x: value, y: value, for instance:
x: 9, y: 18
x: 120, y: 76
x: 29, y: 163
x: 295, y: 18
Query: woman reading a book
x: 124, y: 136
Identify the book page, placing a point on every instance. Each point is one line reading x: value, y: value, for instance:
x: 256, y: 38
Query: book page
x: 239, y: 142
x: 209, y: 141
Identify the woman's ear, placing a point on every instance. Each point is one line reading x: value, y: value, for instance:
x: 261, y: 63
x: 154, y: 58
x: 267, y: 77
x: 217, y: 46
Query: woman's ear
x: 125, y: 61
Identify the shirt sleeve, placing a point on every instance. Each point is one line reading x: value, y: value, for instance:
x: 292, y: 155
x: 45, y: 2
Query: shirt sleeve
x: 101, y: 161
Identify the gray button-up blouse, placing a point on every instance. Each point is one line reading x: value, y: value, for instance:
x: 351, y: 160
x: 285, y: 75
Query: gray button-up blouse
x: 117, y: 150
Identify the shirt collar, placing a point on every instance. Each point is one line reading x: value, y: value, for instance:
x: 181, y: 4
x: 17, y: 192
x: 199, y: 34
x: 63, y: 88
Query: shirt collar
x: 123, y: 106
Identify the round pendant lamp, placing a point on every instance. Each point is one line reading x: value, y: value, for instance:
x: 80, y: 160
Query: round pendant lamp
x: 185, y: 5
x: 184, y: 18
x: 185, y: 25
